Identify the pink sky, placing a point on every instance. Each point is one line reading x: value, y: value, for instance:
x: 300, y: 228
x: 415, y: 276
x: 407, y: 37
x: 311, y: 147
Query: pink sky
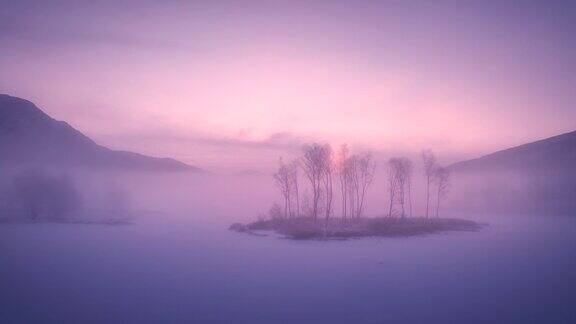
x: 228, y: 85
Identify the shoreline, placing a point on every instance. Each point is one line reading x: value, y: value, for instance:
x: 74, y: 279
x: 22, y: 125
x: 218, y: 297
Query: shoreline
x: 305, y: 228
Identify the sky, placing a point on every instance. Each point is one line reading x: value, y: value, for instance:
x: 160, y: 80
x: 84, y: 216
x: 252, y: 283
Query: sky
x: 235, y: 84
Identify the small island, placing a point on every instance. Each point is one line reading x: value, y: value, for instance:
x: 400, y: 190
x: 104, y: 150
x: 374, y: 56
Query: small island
x: 337, y: 229
x: 327, y: 174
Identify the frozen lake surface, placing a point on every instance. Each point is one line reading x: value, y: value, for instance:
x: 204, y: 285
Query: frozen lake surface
x: 186, y: 267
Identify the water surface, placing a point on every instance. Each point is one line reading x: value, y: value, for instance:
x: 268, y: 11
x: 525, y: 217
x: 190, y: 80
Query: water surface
x: 181, y: 265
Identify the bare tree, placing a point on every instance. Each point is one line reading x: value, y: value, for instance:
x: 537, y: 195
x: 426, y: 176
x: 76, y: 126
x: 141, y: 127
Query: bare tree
x: 353, y: 184
x: 392, y: 178
x: 394, y: 169
x: 282, y: 178
x: 429, y: 163
x: 365, y: 169
x: 442, y: 180
x: 403, y: 181
x: 356, y: 175
x: 306, y: 209
x: 293, y: 168
x: 399, y: 171
x: 409, y: 173
x: 328, y: 167
x: 316, y: 160
x: 343, y: 176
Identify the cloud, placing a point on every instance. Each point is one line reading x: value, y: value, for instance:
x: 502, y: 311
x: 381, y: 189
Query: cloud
x: 275, y: 141
x: 212, y: 152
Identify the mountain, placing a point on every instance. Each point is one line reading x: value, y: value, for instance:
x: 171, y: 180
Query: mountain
x: 30, y: 136
x: 537, y: 178
x: 556, y: 153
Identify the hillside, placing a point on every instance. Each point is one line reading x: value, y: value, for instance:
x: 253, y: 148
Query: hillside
x: 30, y: 136
x: 538, y: 177
x: 554, y: 153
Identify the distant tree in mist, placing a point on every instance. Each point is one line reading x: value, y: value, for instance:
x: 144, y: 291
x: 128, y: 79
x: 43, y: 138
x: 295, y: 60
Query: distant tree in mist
x: 399, y: 173
x: 356, y: 173
x: 409, y: 172
x: 39, y: 194
x: 317, y: 165
x: 442, y: 181
x: 305, y: 205
x: 328, y: 167
x: 342, y: 169
x: 293, y: 170
x: 429, y: 166
x: 392, y: 178
x: 286, y: 178
x: 283, y: 181
x: 404, y: 183
x: 353, y: 185
x: 365, y: 169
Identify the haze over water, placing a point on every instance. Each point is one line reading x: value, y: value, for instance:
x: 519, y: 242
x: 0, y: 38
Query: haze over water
x: 182, y: 162
x: 179, y: 264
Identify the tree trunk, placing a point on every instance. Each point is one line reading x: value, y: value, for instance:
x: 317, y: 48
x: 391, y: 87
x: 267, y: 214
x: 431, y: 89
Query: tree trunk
x: 438, y: 204
x: 316, y: 199
x: 351, y: 207
x: 403, y: 205
x: 343, y: 191
x: 297, y: 200
x: 357, y: 199
x: 410, y: 198
x: 391, y: 202
x: 427, y: 195
x: 289, y: 207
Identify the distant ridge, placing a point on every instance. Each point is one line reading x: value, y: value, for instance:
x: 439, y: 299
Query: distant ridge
x: 30, y: 136
x: 556, y: 153
x: 534, y: 178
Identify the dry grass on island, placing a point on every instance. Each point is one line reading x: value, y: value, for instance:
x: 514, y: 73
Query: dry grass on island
x: 305, y: 228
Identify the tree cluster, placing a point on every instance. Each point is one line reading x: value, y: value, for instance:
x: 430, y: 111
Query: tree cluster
x: 399, y: 184
x: 354, y: 173
x: 400, y: 172
x: 321, y: 168
x: 287, y: 181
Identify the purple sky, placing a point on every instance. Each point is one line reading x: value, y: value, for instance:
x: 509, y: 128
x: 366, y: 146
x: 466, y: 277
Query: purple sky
x: 223, y: 84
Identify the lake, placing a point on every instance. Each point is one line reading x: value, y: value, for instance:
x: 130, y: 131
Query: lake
x: 180, y: 264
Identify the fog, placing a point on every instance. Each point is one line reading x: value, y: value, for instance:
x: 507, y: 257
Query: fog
x: 287, y: 162
x: 545, y: 191
x: 174, y: 260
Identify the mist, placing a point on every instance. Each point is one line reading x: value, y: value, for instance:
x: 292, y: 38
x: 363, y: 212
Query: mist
x: 177, y: 262
x: 85, y: 242
x: 317, y: 162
